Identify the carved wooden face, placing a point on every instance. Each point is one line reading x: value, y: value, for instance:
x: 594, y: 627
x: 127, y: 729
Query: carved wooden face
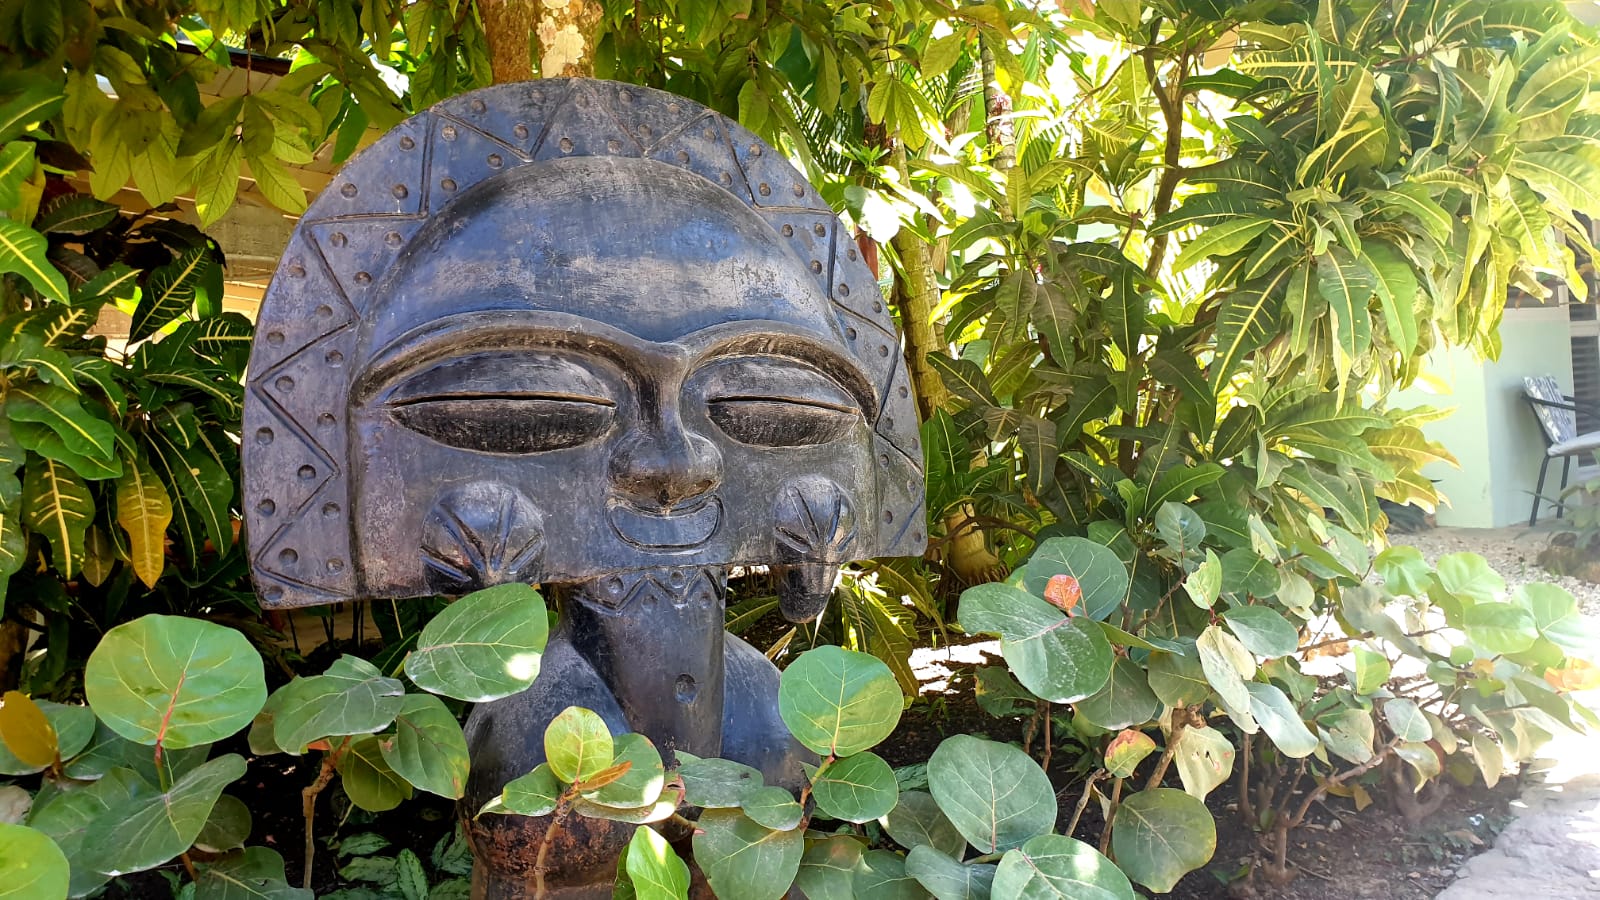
x: 612, y: 357
x: 554, y: 331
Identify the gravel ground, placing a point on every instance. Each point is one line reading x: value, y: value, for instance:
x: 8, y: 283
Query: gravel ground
x: 1510, y: 551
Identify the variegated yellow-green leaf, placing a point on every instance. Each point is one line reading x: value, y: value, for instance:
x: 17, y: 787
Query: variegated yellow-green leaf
x: 57, y: 505
x: 170, y: 292
x: 81, y: 432
x: 22, y: 251
x: 145, y: 511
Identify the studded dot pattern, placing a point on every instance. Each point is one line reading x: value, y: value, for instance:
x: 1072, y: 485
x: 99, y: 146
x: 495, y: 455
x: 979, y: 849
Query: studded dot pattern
x: 351, y: 235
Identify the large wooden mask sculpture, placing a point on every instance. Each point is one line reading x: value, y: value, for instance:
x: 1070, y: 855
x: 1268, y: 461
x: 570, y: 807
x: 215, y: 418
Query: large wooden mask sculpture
x: 595, y: 337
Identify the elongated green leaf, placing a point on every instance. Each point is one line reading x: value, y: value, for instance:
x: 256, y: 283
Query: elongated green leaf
x: 22, y: 250
x: 37, y: 103
x: 170, y: 292
x: 485, y: 646
x: 1224, y: 239
x: 48, y: 444
x: 1227, y: 664
x: 173, y: 680
x: 74, y: 214
x: 1571, y: 176
x: 57, y: 505
x: 1348, y: 286
x: 16, y: 166
x: 144, y: 511
x: 352, y: 697
x: 80, y: 431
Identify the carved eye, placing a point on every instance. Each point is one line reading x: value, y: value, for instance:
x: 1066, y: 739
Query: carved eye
x: 504, y: 403
x: 771, y: 403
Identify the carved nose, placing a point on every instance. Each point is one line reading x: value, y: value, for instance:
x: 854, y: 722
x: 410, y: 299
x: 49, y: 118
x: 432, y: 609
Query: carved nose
x: 665, y: 467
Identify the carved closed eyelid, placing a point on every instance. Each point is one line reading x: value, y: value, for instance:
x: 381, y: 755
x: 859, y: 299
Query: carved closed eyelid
x: 503, y: 375
x: 765, y: 381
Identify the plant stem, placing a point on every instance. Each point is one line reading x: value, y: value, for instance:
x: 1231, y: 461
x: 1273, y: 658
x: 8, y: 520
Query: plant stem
x: 1083, y: 801
x: 1111, y: 814
x: 1178, y: 724
x: 557, y: 819
x: 308, y: 805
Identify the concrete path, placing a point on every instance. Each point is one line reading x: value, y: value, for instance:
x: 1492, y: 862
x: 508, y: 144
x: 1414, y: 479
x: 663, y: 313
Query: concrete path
x: 1551, y: 851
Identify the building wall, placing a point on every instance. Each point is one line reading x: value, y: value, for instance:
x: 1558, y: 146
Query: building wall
x: 1491, y: 432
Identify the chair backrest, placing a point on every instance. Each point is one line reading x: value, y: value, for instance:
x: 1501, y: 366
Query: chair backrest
x: 1559, y: 424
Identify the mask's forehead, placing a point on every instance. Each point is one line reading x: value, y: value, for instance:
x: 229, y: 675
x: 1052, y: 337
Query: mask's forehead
x: 638, y: 245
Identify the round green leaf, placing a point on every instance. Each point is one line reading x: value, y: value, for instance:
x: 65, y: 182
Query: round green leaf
x: 533, y: 794
x: 773, y: 807
x: 256, y: 873
x: 743, y: 859
x: 1060, y: 659
x: 1347, y: 733
x: 151, y: 828
x: 74, y: 727
x: 1160, y: 835
x: 1499, y: 627
x: 994, y: 794
x: 1246, y: 574
x: 1177, y: 680
x: 427, y: 747
x: 485, y: 646
x: 1052, y: 867
x: 882, y: 876
x: 1263, y: 631
x: 917, y: 820
x: 35, y: 867
x: 1204, y: 757
x: 1126, y: 699
x: 227, y: 828
x: 857, y: 788
x: 639, y: 786
x: 655, y: 870
x: 578, y: 744
x: 1181, y: 527
x: 176, y: 680
x: 1102, y: 577
x: 1204, y: 584
x: 1280, y: 720
x: 1126, y: 751
x: 1407, y: 721
x: 838, y: 702
x: 716, y: 783
x: 367, y: 778
x: 1556, y: 616
x: 1468, y: 576
x: 352, y: 697
x: 1227, y: 664
x: 947, y: 879
x: 828, y: 868
x: 1372, y: 670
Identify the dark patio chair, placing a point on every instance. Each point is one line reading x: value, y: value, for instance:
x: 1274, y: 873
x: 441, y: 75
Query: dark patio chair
x: 1558, y: 424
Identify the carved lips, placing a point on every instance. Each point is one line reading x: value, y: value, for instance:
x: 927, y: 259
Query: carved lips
x: 683, y: 528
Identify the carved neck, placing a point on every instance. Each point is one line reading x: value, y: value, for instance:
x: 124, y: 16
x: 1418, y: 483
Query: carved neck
x: 656, y: 637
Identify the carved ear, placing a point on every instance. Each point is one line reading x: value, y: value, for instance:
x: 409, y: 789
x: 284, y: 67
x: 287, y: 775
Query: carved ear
x: 815, y: 526
x: 479, y: 535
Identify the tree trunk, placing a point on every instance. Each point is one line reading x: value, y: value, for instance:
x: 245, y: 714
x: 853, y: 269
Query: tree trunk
x: 561, y: 33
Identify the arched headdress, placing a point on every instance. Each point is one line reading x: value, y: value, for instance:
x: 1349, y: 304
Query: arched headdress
x: 296, y: 439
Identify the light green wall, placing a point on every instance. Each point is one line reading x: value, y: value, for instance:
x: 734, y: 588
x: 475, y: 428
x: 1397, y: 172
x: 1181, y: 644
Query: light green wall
x: 1492, y: 433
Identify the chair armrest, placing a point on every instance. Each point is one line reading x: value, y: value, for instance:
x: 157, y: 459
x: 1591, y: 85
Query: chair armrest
x: 1570, y: 406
